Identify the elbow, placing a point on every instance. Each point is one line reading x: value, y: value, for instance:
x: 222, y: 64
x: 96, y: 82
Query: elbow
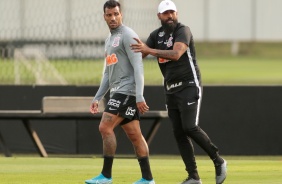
x: 144, y: 55
x: 176, y: 57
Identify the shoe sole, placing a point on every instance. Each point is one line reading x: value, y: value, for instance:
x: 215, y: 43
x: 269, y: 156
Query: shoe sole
x: 194, y: 182
x: 99, y: 183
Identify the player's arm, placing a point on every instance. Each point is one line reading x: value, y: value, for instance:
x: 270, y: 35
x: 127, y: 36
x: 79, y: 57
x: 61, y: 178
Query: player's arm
x: 104, y: 87
x: 144, y: 55
x: 137, y: 64
x: 178, y: 50
x: 182, y: 39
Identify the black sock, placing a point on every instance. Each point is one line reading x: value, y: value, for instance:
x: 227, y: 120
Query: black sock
x: 218, y: 160
x: 145, y: 168
x: 194, y: 175
x: 107, y: 167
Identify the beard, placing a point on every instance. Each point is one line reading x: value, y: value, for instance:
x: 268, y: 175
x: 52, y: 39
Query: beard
x: 169, y: 27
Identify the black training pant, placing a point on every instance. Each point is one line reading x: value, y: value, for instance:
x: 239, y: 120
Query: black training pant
x: 183, y: 111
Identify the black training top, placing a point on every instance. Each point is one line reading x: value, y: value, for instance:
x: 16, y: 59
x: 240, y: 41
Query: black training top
x: 184, y: 72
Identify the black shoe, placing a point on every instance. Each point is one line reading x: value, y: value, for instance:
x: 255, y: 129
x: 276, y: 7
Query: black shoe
x: 191, y: 181
x: 221, y: 172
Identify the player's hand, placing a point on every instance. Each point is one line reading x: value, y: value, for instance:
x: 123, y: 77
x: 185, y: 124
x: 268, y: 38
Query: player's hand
x: 142, y: 107
x: 94, y: 107
x: 140, y: 47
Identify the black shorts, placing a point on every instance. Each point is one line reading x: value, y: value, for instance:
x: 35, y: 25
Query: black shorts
x: 124, y: 106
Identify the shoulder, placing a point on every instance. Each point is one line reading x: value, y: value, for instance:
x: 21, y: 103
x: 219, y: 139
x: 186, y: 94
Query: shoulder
x: 183, y: 32
x: 182, y: 27
x: 127, y: 31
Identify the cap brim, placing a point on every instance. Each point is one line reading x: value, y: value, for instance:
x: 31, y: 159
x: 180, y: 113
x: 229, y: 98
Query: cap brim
x: 167, y: 10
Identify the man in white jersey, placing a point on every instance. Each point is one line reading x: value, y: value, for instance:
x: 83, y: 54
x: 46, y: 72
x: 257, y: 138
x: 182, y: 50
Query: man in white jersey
x: 123, y: 76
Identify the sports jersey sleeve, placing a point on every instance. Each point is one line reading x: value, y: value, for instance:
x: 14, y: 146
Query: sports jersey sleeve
x: 137, y: 64
x: 104, y: 85
x: 150, y: 41
x: 183, y: 35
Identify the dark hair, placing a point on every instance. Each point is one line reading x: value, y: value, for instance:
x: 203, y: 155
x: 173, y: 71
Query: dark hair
x: 111, y: 4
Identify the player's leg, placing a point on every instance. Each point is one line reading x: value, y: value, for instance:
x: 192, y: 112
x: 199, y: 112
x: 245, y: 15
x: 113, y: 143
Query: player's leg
x: 131, y: 126
x: 185, y: 147
x: 110, y: 119
x: 184, y: 143
x: 189, y: 107
x: 108, y: 123
x: 190, y: 100
x: 133, y: 132
x: 106, y: 128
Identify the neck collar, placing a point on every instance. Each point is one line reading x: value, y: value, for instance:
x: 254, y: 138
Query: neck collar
x: 116, y: 29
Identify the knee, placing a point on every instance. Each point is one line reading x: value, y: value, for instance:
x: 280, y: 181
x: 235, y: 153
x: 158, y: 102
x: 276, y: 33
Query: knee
x: 191, y: 129
x: 105, y: 130
x: 134, y: 136
x: 180, y: 136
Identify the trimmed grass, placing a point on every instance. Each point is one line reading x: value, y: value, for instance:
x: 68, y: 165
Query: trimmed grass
x: 166, y: 170
x: 215, y: 71
x: 241, y: 71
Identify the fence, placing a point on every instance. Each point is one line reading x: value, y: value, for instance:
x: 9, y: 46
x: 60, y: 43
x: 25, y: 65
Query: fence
x: 39, y: 37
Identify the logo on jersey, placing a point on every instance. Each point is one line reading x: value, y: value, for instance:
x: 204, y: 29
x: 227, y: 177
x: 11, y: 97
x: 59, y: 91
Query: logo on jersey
x: 114, y: 103
x: 111, y: 59
x: 114, y: 89
x: 162, y: 60
x: 169, y: 42
x: 130, y: 111
x: 116, y: 41
x: 175, y: 85
x: 161, y: 34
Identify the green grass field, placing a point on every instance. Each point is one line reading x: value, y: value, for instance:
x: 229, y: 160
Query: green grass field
x: 215, y: 71
x: 166, y: 170
x: 241, y: 71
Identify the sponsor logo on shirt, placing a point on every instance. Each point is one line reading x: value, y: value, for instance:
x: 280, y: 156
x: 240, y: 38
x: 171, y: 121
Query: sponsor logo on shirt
x: 114, y: 89
x: 162, y: 60
x: 175, y: 85
x: 111, y: 59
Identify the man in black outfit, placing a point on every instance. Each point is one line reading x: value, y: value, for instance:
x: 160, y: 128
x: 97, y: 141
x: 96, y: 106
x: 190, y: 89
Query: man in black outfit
x: 173, y: 45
